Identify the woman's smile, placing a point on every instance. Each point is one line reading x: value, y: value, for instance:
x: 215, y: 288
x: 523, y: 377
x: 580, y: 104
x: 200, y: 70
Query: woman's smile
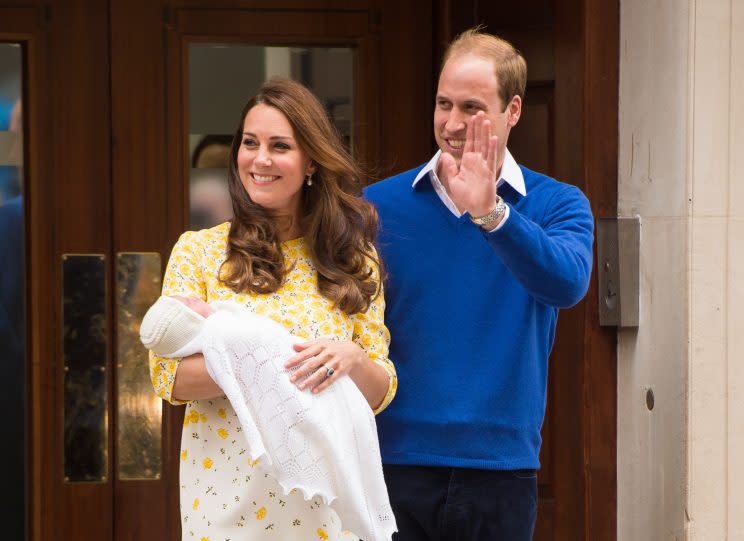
x: 264, y: 179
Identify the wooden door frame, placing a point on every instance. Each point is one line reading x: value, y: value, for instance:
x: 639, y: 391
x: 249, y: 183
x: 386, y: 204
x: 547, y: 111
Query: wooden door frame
x: 600, y: 90
x: 587, y: 108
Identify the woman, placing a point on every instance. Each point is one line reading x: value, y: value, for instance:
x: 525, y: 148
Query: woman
x: 298, y: 250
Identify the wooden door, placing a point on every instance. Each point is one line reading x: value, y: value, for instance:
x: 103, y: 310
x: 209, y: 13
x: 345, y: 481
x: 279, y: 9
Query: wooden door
x: 106, y: 93
x: 107, y: 154
x: 568, y: 129
x: 67, y: 210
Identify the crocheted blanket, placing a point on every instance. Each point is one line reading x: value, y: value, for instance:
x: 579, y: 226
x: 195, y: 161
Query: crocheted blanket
x: 322, y: 444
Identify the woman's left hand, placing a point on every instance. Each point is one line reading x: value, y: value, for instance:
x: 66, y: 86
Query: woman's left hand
x: 324, y: 361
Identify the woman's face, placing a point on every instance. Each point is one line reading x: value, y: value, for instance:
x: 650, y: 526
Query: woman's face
x: 271, y: 164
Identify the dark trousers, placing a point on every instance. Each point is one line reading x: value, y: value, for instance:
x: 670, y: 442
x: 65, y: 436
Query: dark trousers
x: 462, y: 504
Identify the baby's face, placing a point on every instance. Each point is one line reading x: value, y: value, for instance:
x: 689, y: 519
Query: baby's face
x: 197, y: 305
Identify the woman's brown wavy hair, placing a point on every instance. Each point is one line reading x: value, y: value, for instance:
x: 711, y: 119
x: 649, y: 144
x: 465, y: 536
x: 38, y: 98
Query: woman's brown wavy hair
x: 338, y: 225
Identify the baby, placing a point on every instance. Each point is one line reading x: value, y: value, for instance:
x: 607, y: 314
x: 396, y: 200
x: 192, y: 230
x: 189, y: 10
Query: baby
x: 171, y: 326
x: 322, y: 444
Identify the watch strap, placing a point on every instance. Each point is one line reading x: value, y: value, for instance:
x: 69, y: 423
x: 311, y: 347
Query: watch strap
x: 492, y: 217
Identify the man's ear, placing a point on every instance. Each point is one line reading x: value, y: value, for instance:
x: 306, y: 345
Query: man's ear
x: 514, y: 111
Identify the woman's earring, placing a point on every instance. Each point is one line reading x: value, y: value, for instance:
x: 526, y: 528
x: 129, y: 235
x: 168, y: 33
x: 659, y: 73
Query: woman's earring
x: 309, y: 180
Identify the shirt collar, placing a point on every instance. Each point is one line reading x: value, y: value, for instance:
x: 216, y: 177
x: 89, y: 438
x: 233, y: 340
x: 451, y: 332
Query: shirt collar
x: 510, y: 172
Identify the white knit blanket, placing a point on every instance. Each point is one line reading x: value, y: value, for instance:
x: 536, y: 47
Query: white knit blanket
x: 322, y: 444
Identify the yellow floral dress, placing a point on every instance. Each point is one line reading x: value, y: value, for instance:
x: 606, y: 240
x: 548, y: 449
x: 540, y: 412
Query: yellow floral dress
x: 223, y: 494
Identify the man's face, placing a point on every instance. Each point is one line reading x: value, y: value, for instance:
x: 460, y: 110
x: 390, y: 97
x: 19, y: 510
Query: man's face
x: 468, y: 84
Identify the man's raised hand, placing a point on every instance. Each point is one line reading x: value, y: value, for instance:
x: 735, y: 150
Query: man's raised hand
x: 472, y: 187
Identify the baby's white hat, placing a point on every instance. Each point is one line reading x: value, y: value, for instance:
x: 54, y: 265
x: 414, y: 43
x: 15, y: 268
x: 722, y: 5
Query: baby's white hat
x: 169, y: 325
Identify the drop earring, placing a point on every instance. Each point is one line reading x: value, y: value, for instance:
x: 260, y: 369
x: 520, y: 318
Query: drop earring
x: 309, y: 180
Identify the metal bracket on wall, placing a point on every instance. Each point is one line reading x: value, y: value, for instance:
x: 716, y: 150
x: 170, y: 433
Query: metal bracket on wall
x: 618, y: 249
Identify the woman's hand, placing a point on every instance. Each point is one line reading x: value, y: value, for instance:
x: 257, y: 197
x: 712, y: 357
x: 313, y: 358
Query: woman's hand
x: 324, y: 361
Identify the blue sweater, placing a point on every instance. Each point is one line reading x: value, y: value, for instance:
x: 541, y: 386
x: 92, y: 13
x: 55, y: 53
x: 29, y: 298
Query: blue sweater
x: 472, y: 317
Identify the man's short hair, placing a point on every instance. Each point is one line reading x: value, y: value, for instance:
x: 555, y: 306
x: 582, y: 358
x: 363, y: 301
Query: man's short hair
x: 509, y: 64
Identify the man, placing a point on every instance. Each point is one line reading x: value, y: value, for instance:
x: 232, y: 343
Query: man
x: 480, y: 254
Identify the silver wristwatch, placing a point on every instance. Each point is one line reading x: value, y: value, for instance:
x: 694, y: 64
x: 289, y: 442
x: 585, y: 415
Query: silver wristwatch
x: 487, y: 220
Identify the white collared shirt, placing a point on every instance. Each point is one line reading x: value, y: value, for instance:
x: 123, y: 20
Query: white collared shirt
x: 510, y: 173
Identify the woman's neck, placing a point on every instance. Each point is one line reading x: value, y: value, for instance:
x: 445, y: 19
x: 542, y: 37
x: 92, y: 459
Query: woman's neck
x: 287, y: 227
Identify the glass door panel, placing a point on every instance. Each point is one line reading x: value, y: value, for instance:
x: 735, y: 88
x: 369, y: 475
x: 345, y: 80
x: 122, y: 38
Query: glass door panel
x: 12, y: 288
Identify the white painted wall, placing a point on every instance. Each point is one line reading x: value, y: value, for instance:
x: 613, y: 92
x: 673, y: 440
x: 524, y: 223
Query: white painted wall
x: 681, y: 168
